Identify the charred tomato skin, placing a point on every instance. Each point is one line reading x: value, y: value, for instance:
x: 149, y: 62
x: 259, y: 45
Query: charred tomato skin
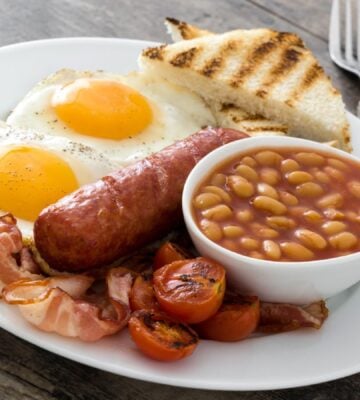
x: 142, y: 296
x: 236, y: 319
x: 190, y: 290
x: 168, y: 253
x: 160, y: 337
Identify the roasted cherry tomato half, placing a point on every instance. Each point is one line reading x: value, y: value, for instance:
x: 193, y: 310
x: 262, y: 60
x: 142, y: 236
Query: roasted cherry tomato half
x: 142, y: 296
x: 168, y: 253
x: 160, y: 337
x: 236, y: 319
x: 190, y: 290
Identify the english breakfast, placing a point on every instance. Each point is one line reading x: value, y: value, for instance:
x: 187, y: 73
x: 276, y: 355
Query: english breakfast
x: 92, y: 170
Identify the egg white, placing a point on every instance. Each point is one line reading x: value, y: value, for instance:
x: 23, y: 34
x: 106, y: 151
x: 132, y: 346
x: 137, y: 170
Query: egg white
x: 87, y: 163
x: 177, y: 113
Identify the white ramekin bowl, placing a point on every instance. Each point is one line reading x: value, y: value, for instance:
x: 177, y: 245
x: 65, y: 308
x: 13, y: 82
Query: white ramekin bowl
x: 292, y: 282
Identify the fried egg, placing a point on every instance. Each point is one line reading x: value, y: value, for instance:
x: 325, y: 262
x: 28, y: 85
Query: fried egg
x: 36, y: 170
x: 125, y: 117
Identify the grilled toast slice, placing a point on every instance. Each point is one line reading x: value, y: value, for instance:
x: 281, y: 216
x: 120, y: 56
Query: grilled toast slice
x: 227, y: 115
x: 260, y: 71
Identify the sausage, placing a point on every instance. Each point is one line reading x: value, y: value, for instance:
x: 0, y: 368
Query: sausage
x: 126, y: 209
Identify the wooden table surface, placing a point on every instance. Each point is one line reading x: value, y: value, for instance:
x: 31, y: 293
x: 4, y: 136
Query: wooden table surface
x: 27, y: 372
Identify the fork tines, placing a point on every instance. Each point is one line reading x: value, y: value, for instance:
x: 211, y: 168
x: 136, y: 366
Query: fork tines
x: 344, y: 45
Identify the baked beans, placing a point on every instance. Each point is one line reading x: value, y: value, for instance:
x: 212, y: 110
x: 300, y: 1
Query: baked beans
x: 282, y: 205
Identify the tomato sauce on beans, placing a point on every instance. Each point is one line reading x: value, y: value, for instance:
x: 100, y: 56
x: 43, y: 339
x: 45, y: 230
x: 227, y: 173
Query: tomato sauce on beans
x: 282, y: 204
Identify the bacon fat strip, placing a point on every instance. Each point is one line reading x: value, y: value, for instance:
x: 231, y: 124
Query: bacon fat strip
x: 11, y: 246
x: 125, y: 210
x: 61, y: 304
x: 276, y: 317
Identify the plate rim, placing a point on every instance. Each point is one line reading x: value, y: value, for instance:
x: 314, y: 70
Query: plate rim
x: 199, y: 384
x: 75, y: 38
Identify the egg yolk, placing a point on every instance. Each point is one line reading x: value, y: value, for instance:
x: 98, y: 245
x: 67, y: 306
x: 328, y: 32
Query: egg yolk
x: 102, y: 108
x: 31, y: 179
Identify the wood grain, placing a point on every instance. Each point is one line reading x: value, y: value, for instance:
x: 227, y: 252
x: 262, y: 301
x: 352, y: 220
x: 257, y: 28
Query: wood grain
x: 310, y: 16
x: 27, y: 372
x: 144, y: 20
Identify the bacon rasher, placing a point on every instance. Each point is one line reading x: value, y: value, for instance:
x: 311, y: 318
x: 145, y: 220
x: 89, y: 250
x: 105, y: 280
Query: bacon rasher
x: 72, y: 306
x: 15, y: 260
x: 276, y: 317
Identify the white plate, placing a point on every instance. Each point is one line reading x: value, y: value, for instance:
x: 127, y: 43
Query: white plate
x: 270, y: 362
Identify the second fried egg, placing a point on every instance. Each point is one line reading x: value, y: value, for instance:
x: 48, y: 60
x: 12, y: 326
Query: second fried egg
x: 36, y: 170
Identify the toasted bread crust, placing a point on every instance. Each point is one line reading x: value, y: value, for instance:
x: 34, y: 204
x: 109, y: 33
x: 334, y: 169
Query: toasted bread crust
x: 215, y: 64
x: 257, y: 55
x: 154, y: 53
x: 289, y: 59
x: 181, y: 30
x: 185, y: 58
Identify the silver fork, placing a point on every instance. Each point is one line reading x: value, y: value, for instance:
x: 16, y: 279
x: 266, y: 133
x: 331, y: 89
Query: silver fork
x: 342, y: 49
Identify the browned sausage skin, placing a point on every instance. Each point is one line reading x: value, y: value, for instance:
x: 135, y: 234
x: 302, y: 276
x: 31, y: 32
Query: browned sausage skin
x: 125, y: 210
